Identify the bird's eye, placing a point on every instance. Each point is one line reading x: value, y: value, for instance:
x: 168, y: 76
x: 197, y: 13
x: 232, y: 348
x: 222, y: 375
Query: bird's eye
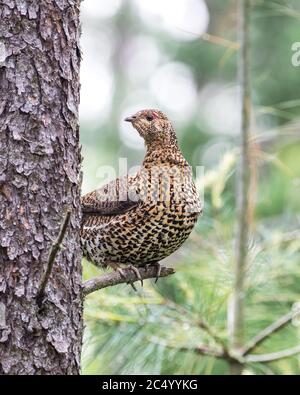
x: 149, y: 118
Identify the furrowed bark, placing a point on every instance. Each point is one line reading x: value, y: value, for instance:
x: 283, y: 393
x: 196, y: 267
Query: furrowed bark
x: 39, y: 184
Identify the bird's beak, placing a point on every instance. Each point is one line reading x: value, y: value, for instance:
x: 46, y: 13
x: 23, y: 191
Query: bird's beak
x: 130, y: 119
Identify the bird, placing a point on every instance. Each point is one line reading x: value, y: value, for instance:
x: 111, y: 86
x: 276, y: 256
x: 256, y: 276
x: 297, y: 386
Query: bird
x: 139, y: 219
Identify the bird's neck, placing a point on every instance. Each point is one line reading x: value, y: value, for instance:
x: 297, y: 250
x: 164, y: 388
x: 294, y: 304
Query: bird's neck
x: 164, y: 152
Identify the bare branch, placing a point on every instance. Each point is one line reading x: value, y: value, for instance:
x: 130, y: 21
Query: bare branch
x: 274, y: 356
x: 56, y: 246
x: 269, y: 330
x: 115, y: 278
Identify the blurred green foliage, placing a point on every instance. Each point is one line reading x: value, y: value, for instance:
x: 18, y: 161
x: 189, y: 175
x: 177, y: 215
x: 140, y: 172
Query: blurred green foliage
x: 134, y: 333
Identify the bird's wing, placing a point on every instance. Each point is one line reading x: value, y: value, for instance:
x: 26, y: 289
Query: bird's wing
x: 111, y: 199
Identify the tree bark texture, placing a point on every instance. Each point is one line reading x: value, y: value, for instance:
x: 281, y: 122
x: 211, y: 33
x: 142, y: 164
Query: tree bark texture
x: 39, y: 183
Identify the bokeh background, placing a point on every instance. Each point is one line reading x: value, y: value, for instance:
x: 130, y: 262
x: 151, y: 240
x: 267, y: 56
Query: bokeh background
x: 180, y: 56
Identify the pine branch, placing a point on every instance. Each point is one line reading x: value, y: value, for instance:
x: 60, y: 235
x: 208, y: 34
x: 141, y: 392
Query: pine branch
x: 54, y: 250
x: 228, y: 356
x: 115, y: 278
x: 210, y: 331
x: 269, y: 330
x: 273, y: 356
x: 201, y: 323
x: 202, y: 349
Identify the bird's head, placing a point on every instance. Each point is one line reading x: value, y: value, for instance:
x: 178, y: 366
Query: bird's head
x: 153, y: 126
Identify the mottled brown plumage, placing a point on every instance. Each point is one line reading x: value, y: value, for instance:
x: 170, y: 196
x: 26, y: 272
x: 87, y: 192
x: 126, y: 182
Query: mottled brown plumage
x: 141, y: 219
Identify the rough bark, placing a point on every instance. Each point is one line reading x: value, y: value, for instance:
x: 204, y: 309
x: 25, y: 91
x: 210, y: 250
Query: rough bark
x: 39, y: 183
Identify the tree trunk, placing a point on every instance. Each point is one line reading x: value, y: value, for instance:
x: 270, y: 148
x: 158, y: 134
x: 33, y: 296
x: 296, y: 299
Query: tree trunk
x: 39, y: 183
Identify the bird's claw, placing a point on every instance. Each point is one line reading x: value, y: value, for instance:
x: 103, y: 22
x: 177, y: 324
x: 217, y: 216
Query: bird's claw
x: 135, y: 270
x: 158, y: 265
x: 132, y: 285
x: 121, y: 271
x: 137, y: 273
x: 116, y: 267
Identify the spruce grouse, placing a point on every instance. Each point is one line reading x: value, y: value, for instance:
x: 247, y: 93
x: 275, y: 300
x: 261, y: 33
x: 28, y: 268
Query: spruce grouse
x: 139, y: 219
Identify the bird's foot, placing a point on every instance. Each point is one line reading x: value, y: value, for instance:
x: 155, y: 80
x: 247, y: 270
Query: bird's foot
x: 158, y: 266
x: 117, y: 267
x: 131, y: 283
x: 137, y: 273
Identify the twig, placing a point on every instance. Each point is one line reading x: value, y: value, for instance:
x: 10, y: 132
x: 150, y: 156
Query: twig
x: 202, y: 349
x: 243, y: 356
x: 238, y: 358
x: 201, y: 323
x: 269, y: 330
x: 224, y: 42
x: 56, y: 246
x: 210, y: 331
x: 273, y: 356
x: 215, y: 352
x: 243, y: 183
x: 115, y: 278
x: 220, y: 353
